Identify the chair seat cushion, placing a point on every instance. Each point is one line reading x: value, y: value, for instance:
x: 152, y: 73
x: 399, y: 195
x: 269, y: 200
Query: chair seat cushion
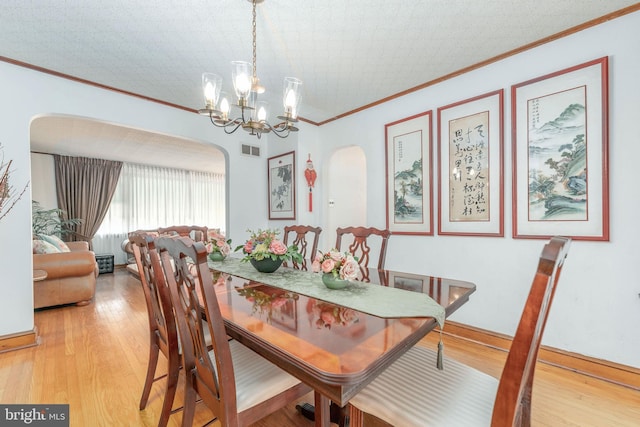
x: 412, y: 392
x: 257, y: 379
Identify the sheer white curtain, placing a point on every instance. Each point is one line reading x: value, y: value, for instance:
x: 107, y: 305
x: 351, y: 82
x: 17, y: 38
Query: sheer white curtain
x: 148, y: 197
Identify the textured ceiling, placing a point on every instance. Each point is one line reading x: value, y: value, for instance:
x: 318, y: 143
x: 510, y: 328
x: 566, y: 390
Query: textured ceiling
x: 348, y: 53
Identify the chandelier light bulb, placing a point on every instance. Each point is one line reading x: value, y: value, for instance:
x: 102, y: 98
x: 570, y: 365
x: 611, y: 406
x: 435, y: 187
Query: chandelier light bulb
x: 209, y: 93
x: 224, y: 106
x: 242, y: 84
x: 262, y: 114
x: 289, y: 100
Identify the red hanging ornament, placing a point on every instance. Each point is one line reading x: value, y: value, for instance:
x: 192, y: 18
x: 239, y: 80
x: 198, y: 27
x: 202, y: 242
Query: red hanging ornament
x: 310, y: 175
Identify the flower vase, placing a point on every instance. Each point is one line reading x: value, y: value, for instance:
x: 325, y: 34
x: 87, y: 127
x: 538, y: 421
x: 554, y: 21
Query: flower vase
x: 333, y: 282
x: 266, y: 265
x: 216, y: 256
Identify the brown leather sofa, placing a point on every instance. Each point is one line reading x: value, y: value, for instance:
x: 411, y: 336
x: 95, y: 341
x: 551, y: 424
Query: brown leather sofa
x: 71, y: 276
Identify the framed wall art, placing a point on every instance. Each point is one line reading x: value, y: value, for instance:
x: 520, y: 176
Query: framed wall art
x: 408, y: 151
x: 470, y: 173
x: 560, y: 154
x: 281, y: 171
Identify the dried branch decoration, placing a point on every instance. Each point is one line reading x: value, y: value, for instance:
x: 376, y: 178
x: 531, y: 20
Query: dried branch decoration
x: 8, y: 197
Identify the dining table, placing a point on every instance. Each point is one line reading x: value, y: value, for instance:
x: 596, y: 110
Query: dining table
x: 335, y: 341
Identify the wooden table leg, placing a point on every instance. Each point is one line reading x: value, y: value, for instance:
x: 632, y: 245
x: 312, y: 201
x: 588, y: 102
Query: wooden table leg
x: 322, y: 413
x: 355, y: 416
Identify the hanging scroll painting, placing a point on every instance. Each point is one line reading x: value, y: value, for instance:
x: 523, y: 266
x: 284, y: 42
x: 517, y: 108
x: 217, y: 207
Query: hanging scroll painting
x: 282, y: 186
x: 560, y: 154
x: 409, y: 175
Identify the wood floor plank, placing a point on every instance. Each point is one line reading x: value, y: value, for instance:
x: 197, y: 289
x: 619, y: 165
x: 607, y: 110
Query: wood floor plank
x: 94, y: 358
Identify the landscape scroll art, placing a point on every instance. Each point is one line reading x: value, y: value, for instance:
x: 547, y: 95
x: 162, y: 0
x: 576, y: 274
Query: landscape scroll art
x: 560, y: 150
x: 282, y: 186
x: 408, y: 149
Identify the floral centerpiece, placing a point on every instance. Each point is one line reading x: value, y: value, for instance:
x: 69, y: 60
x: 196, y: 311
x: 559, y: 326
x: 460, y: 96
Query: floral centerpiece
x: 342, y: 265
x: 266, y: 252
x: 338, y: 268
x: 218, y: 246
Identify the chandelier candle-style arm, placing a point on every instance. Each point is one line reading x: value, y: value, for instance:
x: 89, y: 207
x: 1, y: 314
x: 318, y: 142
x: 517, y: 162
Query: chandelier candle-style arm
x: 253, y: 116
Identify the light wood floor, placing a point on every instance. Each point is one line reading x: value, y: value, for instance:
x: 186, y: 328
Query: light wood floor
x: 95, y: 358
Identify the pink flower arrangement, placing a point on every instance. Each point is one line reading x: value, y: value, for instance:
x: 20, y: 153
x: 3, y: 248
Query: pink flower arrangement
x: 216, y: 242
x: 342, y: 265
x: 265, y: 244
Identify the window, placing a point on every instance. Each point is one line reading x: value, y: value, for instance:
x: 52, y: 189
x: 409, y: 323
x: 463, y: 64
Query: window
x: 148, y: 197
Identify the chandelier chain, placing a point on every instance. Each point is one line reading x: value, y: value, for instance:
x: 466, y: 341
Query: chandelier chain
x: 254, y: 41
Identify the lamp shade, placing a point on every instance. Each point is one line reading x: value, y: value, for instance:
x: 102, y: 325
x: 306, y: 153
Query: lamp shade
x: 291, y: 96
x: 241, y: 74
x: 211, y: 85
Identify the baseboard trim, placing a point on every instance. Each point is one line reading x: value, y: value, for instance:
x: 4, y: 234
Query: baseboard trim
x: 19, y: 340
x: 605, y: 370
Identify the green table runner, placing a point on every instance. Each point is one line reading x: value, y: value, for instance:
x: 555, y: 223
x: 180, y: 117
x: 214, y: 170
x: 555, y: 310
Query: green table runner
x: 365, y: 297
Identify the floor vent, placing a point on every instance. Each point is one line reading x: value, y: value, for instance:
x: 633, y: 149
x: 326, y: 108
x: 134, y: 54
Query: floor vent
x: 250, y: 150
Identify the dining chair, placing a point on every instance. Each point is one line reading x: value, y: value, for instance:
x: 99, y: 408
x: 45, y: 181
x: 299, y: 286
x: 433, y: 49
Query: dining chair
x: 359, y: 247
x: 300, y: 240
x: 411, y: 392
x: 162, y: 326
x: 238, y: 385
x: 196, y: 232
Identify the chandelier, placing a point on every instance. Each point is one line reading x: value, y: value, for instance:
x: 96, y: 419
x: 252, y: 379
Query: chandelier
x: 252, y: 114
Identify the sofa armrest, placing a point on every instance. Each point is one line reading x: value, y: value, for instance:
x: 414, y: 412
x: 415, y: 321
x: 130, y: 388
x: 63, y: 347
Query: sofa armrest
x: 66, y: 264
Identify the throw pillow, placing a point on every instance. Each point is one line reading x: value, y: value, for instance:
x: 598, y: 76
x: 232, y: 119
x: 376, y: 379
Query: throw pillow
x: 44, y: 247
x: 57, y: 242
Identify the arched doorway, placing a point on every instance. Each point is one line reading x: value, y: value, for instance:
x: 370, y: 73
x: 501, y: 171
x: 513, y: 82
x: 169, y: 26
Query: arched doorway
x: 86, y: 137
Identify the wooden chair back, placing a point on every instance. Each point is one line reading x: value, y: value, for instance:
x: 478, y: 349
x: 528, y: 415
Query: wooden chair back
x: 359, y: 247
x: 483, y: 399
x: 513, y: 399
x: 214, y: 384
x: 161, y: 319
x: 299, y: 234
x: 162, y: 325
x: 262, y: 387
x: 195, y: 232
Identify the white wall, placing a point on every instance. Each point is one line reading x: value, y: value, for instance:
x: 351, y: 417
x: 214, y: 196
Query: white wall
x: 597, y: 307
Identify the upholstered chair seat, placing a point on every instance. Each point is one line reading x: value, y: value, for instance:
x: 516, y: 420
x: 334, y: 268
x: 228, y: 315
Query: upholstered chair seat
x: 425, y: 396
x: 257, y: 379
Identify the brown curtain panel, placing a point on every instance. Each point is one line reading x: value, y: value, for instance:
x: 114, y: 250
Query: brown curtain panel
x: 84, y: 190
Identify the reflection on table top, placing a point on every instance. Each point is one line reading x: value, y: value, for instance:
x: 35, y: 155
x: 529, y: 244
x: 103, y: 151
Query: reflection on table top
x: 334, y: 349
